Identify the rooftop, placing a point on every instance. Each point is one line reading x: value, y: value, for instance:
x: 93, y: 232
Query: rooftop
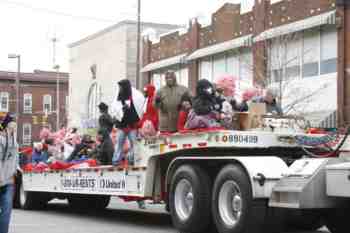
x: 36, y: 76
x: 120, y: 24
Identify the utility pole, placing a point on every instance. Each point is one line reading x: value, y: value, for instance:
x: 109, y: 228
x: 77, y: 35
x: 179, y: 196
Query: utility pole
x: 17, y: 84
x: 138, y: 81
x: 57, y: 68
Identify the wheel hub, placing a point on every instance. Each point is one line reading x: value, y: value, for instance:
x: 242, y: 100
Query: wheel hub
x: 230, y: 203
x: 184, y: 199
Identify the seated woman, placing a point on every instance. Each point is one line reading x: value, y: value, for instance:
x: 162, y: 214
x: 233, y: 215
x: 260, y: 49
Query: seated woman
x: 38, y: 155
x: 205, y: 111
x: 185, y: 107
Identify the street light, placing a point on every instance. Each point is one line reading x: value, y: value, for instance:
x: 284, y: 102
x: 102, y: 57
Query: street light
x: 57, y: 68
x: 18, y: 57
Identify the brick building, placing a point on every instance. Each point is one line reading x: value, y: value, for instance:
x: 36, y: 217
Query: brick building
x: 37, y: 102
x: 276, y: 42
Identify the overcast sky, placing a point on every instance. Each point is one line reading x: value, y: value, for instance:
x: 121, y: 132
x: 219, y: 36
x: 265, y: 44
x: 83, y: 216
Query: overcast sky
x: 27, y: 26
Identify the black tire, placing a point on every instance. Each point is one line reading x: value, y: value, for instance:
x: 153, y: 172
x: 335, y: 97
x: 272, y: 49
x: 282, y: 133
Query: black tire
x: 337, y: 220
x: 307, y: 220
x: 233, y: 176
x: 89, y: 202
x: 198, y: 219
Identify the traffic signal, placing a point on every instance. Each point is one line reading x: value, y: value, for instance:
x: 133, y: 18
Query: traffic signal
x: 35, y: 120
x: 44, y: 120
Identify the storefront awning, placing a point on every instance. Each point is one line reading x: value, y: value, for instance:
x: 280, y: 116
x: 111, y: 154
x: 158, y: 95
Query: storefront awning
x: 322, y: 19
x: 164, y: 63
x: 222, y: 47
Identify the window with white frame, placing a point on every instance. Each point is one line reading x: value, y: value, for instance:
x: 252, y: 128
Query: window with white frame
x: 238, y: 63
x: 27, y: 134
x: 306, y: 54
x: 158, y: 77
x: 4, y: 101
x: 47, y: 103
x: 27, y: 103
x: 329, y: 50
x: 311, y: 53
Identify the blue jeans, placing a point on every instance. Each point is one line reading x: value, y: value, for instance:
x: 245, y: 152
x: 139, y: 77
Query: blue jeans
x: 6, y: 194
x: 118, y: 148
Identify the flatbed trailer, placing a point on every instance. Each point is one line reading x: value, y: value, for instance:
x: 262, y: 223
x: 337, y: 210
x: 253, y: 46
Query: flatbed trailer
x: 233, y: 181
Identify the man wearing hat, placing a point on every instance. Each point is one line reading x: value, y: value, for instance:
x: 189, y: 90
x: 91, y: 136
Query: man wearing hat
x: 105, y: 120
x: 8, y: 164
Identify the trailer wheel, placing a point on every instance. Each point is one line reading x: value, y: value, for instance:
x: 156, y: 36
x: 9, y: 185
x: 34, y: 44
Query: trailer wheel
x: 189, y: 199
x: 232, y: 200
x: 337, y: 220
x: 31, y: 200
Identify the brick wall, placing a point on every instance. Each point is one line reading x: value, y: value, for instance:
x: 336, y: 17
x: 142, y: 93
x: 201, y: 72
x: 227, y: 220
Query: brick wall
x: 38, y: 89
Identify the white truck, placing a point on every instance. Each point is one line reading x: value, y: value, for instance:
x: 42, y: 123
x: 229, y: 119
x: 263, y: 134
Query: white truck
x: 230, y: 181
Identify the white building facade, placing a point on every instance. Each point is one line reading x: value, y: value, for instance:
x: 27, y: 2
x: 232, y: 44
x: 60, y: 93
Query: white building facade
x: 98, y: 62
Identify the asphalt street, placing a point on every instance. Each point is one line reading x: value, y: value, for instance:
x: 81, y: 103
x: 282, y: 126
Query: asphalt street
x: 118, y: 218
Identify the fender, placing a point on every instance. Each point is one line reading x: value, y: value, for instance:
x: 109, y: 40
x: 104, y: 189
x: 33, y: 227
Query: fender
x: 263, y: 171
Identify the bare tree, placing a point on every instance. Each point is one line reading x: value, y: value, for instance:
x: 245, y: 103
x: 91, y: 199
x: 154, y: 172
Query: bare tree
x: 284, y: 71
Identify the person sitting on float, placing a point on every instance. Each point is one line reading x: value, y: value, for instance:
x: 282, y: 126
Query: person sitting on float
x: 270, y: 99
x: 205, y: 112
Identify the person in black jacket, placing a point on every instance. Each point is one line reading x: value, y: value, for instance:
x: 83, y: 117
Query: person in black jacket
x: 104, y: 151
x: 206, y: 108
x: 105, y: 120
x: 127, y: 125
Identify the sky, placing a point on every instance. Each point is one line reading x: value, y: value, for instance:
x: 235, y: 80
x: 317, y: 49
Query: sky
x: 28, y: 26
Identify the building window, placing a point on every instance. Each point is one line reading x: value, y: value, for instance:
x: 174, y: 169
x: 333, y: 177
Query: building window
x: 27, y: 134
x: 27, y: 103
x: 93, y: 100
x: 158, y: 77
x: 47, y: 103
x: 206, y: 68
x: 219, y: 66
x: 329, y: 50
x: 4, y: 101
x: 311, y: 53
x: 306, y: 54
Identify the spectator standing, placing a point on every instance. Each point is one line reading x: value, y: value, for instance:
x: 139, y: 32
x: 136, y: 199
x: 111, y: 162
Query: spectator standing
x: 8, y: 163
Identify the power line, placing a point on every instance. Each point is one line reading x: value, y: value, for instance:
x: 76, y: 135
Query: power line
x: 54, y: 12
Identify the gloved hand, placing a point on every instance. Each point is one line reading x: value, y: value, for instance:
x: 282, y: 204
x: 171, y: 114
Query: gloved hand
x: 158, y: 100
x: 125, y: 107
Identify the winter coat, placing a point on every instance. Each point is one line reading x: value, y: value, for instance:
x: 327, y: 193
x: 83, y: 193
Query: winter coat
x: 8, y: 157
x: 205, y: 103
x: 150, y: 113
x: 105, y: 150
x: 167, y: 101
x: 127, y: 105
x: 105, y: 122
